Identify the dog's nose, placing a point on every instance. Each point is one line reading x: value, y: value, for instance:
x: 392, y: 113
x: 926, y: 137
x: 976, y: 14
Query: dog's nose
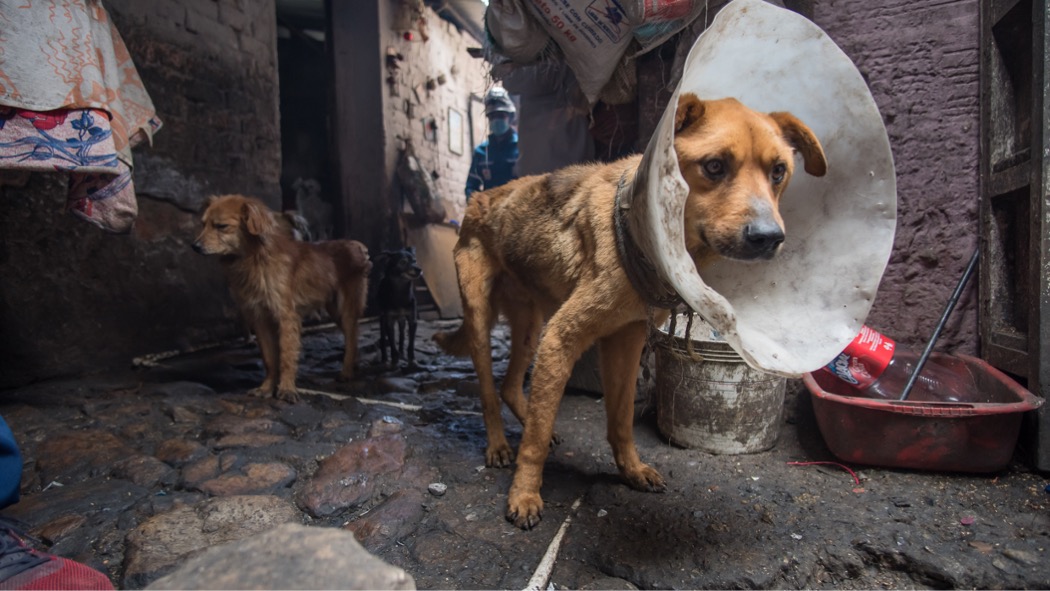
x: 197, y: 247
x: 763, y: 237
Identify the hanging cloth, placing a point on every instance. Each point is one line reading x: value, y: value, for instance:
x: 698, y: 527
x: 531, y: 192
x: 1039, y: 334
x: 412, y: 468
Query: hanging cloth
x: 71, y: 100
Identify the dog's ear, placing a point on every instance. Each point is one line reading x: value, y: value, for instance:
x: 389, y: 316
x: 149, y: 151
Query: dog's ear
x: 690, y: 110
x: 804, y: 141
x: 257, y: 219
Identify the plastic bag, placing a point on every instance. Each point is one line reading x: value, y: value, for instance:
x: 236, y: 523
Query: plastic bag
x: 594, y: 35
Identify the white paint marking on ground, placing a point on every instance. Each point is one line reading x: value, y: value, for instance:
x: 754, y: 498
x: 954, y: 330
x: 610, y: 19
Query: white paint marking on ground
x: 154, y: 359
x: 541, y: 578
x: 400, y: 405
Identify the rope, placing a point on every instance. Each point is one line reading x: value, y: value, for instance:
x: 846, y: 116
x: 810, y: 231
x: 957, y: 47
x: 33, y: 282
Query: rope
x: 846, y: 468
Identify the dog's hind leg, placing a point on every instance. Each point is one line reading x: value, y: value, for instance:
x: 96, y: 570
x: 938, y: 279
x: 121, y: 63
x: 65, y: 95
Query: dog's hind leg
x: 289, y: 328
x: 477, y: 276
x: 353, y: 305
x: 385, y: 338
x: 619, y: 357
x: 412, y: 321
x: 266, y: 338
x: 526, y: 324
x: 401, y: 353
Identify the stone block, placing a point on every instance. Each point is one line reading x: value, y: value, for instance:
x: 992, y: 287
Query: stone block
x: 159, y: 545
x: 289, y: 557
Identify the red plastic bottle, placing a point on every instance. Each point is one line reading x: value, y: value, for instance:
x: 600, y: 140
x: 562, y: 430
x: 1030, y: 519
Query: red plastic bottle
x: 877, y: 368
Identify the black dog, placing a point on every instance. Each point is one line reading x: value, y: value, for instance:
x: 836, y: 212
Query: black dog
x: 396, y: 301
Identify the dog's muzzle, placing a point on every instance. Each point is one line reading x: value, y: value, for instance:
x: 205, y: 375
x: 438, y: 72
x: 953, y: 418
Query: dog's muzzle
x: 762, y: 238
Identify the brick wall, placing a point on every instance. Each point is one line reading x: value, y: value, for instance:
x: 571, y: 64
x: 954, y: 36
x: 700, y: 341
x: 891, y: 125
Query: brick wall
x: 76, y: 299
x: 211, y: 69
x: 408, y: 102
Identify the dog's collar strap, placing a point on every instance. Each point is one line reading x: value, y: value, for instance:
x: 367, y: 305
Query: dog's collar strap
x: 640, y: 271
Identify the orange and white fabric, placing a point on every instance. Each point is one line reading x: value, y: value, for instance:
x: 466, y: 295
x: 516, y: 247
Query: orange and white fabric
x: 72, y: 100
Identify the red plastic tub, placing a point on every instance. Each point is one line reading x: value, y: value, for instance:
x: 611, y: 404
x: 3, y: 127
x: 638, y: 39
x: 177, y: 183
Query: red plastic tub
x: 977, y: 436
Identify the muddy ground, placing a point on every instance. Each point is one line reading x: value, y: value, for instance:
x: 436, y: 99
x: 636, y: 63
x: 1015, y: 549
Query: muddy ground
x: 726, y: 521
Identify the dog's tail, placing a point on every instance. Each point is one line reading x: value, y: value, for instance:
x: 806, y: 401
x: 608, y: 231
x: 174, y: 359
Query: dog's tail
x: 454, y: 342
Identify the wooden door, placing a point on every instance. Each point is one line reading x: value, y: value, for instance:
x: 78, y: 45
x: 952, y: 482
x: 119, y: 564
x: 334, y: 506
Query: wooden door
x: 1015, y: 231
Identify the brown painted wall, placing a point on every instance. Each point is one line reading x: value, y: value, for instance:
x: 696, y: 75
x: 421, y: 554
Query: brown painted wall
x: 920, y: 59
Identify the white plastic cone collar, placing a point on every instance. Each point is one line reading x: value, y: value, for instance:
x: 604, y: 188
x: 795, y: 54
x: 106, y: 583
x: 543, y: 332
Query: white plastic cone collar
x: 794, y: 313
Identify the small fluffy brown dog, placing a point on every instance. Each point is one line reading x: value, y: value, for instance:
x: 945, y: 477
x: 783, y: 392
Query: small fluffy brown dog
x: 545, y: 248
x: 276, y: 280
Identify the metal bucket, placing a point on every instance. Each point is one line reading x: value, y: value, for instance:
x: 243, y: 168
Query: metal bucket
x: 712, y: 400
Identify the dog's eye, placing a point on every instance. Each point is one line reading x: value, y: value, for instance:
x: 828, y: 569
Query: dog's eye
x: 779, y: 171
x: 221, y: 226
x: 714, y: 168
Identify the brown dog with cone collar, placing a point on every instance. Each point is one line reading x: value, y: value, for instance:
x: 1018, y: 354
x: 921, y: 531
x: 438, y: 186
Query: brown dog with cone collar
x: 542, y: 250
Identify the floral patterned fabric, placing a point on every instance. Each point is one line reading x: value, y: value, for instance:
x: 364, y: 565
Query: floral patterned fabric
x: 71, y: 100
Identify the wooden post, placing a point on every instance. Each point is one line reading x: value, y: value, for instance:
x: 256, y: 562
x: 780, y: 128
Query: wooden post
x: 356, y: 131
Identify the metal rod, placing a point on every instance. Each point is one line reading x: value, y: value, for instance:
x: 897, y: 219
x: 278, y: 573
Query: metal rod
x: 940, y: 325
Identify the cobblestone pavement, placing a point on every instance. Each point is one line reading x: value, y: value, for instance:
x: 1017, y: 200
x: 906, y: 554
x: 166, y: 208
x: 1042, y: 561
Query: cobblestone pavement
x: 135, y: 472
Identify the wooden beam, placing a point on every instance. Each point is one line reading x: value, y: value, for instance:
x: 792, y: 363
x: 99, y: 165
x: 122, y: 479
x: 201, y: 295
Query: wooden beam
x: 356, y: 132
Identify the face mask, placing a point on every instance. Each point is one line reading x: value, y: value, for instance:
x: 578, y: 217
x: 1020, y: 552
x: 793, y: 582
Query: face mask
x: 499, y: 126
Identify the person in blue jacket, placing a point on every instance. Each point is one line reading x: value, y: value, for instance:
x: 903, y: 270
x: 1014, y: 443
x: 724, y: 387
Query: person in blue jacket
x: 10, y: 466
x: 495, y: 160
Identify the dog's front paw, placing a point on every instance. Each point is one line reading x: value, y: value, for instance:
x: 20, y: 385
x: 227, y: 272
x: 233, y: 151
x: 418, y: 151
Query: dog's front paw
x: 645, y: 479
x: 525, y: 510
x: 290, y: 395
x: 499, y: 455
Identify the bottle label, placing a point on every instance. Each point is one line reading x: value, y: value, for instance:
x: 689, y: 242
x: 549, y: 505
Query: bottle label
x: 864, y: 360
